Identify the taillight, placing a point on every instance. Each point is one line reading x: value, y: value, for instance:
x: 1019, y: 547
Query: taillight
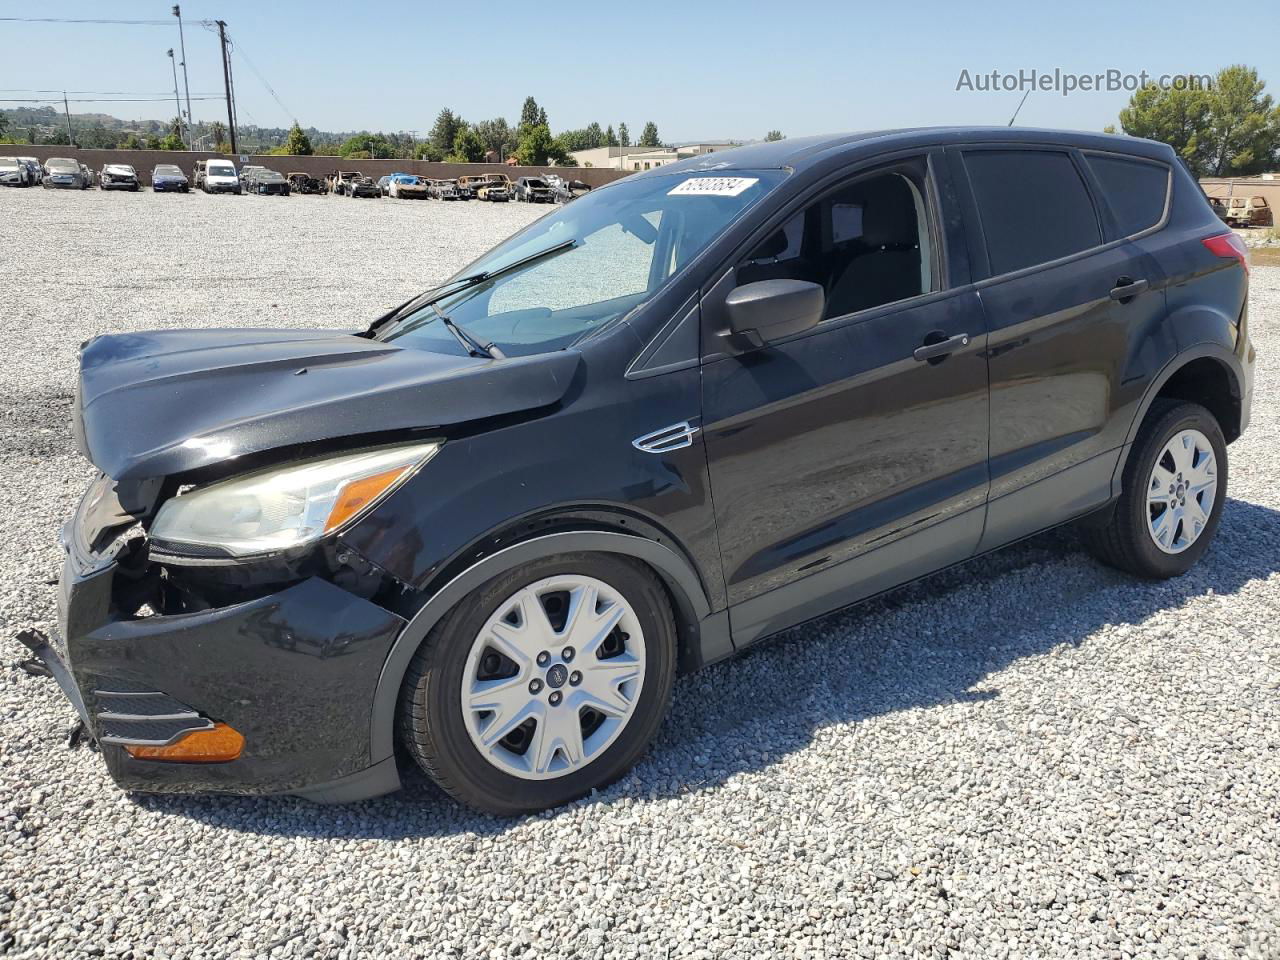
x: 1229, y: 247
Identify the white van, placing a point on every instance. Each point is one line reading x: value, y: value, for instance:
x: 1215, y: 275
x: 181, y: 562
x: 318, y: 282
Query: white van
x: 220, y: 177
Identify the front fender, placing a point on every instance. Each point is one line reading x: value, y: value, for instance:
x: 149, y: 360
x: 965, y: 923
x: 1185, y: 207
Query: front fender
x: 710, y: 634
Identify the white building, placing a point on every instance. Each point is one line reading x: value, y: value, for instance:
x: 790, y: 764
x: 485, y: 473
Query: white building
x: 644, y: 158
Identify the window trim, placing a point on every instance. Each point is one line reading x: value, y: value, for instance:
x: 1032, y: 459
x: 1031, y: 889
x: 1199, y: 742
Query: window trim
x: 720, y: 283
x: 1096, y: 185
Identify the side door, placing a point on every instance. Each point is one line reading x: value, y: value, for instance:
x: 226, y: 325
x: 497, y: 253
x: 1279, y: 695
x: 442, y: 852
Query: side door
x: 1066, y: 299
x: 851, y: 457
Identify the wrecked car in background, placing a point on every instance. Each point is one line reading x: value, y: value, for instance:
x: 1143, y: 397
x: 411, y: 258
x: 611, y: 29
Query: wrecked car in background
x: 405, y: 186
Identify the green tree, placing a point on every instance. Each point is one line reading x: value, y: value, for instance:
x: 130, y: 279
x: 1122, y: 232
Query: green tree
x: 366, y: 144
x: 4, y: 124
x: 496, y: 135
x: 1244, y: 124
x: 575, y: 139
x: 1179, y: 118
x: 610, y: 139
x: 773, y: 135
x: 298, y: 143
x: 444, y: 132
x: 171, y: 142
x: 624, y: 135
x: 218, y: 131
x: 542, y: 118
x: 561, y: 155
x: 595, y: 136
x: 131, y: 142
x: 528, y: 116
x: 467, y: 147
x: 1230, y: 128
x: 538, y: 148
x: 649, y: 135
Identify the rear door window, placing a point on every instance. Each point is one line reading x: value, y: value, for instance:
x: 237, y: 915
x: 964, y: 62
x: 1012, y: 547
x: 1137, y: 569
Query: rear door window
x: 1033, y: 205
x: 1135, y: 191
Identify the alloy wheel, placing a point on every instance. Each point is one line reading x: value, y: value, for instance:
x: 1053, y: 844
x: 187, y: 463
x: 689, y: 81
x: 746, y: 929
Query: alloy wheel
x: 1181, y: 491
x: 553, y: 677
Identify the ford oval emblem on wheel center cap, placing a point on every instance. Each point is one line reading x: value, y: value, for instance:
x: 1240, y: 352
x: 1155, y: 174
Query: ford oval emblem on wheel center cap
x: 557, y: 675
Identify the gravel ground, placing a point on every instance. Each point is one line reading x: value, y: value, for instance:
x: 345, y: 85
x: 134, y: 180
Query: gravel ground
x: 1030, y: 756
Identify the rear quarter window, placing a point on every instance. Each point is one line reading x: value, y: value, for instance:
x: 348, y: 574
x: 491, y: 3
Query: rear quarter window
x: 1135, y: 191
x: 1033, y: 205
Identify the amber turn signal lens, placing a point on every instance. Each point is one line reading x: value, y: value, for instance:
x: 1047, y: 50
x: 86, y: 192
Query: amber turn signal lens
x: 358, y: 494
x: 218, y: 745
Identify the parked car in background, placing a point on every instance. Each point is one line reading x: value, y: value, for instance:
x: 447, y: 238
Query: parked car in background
x: 494, y: 187
x: 220, y: 177
x: 1219, y: 207
x: 119, y: 176
x: 168, y: 178
x: 248, y: 173
x: 90, y: 178
x: 302, y: 182
x: 353, y: 183
x: 269, y: 183
x: 384, y: 182
x: 533, y: 190
x: 445, y: 190
x: 276, y: 583
x: 564, y: 191
x: 14, y: 173
x: 34, y: 170
x: 1249, y: 212
x: 63, y: 172
x: 405, y: 186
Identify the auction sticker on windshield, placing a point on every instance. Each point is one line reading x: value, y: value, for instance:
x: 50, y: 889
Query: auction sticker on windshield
x: 713, y: 187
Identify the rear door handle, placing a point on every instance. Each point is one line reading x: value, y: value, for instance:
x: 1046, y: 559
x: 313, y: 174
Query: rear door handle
x: 935, y: 351
x: 1127, y: 288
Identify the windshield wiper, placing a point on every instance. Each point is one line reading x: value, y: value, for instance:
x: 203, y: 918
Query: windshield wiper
x: 458, y: 284
x: 469, y: 342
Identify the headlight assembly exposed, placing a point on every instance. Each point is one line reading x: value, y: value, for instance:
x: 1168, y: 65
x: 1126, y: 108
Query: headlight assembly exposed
x: 283, y: 507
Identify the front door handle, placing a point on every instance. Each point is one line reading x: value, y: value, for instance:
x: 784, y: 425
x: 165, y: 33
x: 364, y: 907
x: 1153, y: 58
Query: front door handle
x: 1127, y: 288
x: 939, y: 349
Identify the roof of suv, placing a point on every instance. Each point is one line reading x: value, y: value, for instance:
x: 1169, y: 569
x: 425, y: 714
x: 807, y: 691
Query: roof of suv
x: 801, y: 152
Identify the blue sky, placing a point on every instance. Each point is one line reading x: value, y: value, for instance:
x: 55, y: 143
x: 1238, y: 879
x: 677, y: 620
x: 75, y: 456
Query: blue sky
x: 699, y: 70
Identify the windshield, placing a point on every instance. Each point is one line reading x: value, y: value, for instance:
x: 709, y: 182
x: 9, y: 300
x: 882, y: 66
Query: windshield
x: 63, y: 166
x: 220, y: 170
x: 627, y: 242
x: 168, y: 171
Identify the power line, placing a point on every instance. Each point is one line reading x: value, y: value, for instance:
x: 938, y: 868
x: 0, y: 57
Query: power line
x: 104, y: 93
x: 96, y: 100
x: 289, y: 113
x: 122, y: 23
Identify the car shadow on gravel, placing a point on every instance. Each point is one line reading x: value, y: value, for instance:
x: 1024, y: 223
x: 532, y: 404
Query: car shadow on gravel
x: 928, y: 644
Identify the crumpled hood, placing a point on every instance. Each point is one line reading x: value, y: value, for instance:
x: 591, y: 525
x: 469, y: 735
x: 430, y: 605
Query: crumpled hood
x: 164, y: 402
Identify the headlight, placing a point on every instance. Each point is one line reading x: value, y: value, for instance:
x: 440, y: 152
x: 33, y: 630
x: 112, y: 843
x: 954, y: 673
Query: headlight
x: 284, y: 507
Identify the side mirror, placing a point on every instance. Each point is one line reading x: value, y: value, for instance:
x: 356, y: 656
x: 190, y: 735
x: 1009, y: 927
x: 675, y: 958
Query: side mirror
x: 772, y: 309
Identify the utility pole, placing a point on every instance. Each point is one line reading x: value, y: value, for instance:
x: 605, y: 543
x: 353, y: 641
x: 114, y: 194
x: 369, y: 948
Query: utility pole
x: 182, y: 44
x: 176, y: 99
x: 67, y: 110
x: 226, y: 79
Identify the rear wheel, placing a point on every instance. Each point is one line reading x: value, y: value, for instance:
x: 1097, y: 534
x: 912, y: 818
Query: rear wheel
x: 1175, y: 482
x: 546, y: 683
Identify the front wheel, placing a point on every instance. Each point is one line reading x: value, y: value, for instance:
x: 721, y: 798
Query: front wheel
x: 1175, y: 482
x: 544, y: 684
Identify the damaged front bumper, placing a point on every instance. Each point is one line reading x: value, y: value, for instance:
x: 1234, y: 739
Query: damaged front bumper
x: 293, y: 671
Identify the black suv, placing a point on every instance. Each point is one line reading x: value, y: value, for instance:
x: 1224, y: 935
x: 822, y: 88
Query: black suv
x: 696, y: 407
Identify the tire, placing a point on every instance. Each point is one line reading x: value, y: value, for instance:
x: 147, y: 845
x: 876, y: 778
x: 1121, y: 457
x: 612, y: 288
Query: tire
x: 1129, y: 540
x: 439, y: 733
